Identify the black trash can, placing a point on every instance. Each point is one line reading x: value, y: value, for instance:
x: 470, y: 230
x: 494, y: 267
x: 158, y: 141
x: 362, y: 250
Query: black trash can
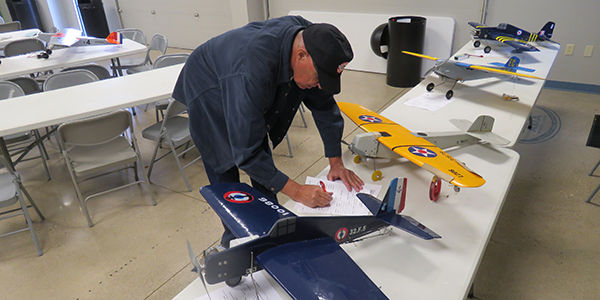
x: 401, y: 34
x: 94, y: 19
x: 26, y: 12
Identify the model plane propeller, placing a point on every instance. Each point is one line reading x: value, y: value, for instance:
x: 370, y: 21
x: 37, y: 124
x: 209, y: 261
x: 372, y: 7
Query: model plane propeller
x: 423, y: 149
x: 301, y: 253
x: 71, y: 37
x: 510, y: 35
x: 457, y: 71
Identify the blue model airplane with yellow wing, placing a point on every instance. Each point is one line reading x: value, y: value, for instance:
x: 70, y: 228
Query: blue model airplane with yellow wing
x: 510, y: 35
x: 301, y: 253
x: 458, y: 71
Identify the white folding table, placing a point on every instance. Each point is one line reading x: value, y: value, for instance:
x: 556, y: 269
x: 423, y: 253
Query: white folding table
x: 68, y: 57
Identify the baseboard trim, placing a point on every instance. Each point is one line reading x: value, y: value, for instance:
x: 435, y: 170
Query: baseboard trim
x: 572, y: 87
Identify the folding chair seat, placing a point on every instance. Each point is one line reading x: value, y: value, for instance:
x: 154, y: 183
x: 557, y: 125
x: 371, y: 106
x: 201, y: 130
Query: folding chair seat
x: 20, y: 144
x: 95, y: 146
x: 11, y: 193
x: 174, y: 131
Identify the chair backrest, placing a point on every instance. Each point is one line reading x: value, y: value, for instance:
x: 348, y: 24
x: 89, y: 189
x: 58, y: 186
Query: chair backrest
x: 98, y: 70
x: 134, y: 34
x: 166, y: 60
x: 10, y: 26
x: 28, y: 84
x: 96, y: 130
x: 24, y: 46
x: 10, y: 89
x: 158, y: 43
x: 2, y: 20
x: 174, y: 108
x: 69, y: 78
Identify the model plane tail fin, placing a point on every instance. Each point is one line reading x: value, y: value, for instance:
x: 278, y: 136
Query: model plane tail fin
x: 115, y: 38
x: 481, y: 129
x: 547, y: 30
x: 394, y: 199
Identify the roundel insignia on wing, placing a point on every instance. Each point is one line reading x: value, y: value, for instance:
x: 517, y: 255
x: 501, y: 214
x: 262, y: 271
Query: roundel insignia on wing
x: 369, y: 119
x: 519, y: 32
x: 238, y: 197
x: 420, y: 151
x: 341, y: 234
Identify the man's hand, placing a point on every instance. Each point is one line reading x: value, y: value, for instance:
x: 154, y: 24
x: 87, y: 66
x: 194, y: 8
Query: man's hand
x: 309, y: 195
x: 348, y: 177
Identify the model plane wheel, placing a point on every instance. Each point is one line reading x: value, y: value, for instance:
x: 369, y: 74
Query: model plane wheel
x: 233, y: 281
x: 449, y: 94
x: 49, y: 51
x: 435, y: 188
x: 476, y: 44
x: 357, y: 159
x: 487, y: 49
x: 376, y: 175
x: 430, y: 87
x: 456, y: 189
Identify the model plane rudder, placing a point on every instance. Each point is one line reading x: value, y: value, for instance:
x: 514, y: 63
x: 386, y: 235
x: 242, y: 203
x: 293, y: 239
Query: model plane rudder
x: 547, y: 30
x: 394, y: 199
x: 115, y: 38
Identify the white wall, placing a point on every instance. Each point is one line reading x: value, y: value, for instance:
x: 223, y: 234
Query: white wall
x: 577, y: 22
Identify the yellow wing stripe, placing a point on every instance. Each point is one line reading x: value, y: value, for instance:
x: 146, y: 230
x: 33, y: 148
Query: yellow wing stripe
x: 402, y: 141
x: 420, y: 55
x: 504, y: 72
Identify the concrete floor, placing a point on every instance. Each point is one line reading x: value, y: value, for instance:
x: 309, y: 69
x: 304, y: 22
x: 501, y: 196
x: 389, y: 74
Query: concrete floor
x: 545, y: 245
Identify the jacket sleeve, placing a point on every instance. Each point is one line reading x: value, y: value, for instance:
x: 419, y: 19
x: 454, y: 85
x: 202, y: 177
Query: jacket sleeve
x: 328, y: 119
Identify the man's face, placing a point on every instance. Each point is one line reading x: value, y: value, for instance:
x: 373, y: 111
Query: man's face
x: 305, y: 74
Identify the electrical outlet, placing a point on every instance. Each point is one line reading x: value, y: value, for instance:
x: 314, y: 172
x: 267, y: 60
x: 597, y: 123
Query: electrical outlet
x: 588, y: 51
x: 569, y: 49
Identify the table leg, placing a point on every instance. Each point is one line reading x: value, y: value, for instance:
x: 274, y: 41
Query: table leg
x: 116, y: 63
x: 5, y: 153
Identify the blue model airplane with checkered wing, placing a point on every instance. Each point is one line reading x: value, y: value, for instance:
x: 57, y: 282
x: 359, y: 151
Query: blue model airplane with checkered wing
x: 301, y: 253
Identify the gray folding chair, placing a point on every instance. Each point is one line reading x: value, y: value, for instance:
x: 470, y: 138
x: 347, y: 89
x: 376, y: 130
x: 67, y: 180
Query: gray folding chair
x: 24, y: 46
x: 69, y: 78
x: 98, y: 70
x: 10, y: 26
x: 28, y: 84
x: 134, y: 34
x: 162, y: 61
x: 20, y: 144
x: 95, y: 146
x: 158, y: 43
x: 174, y: 131
x: 11, y: 193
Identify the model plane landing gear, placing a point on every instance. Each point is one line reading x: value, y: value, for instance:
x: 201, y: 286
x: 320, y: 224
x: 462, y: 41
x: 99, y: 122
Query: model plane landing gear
x: 487, y: 49
x: 234, y: 281
x: 435, y: 188
x: 377, y: 175
x: 476, y: 44
x: 45, y: 54
x: 449, y: 93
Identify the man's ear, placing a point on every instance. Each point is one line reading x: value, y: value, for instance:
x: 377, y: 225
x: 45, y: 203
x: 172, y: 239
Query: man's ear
x: 302, y: 54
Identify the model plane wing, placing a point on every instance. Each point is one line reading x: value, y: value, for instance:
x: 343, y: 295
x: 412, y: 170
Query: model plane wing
x: 257, y: 215
x: 416, y: 149
x: 503, y: 72
x: 318, y: 269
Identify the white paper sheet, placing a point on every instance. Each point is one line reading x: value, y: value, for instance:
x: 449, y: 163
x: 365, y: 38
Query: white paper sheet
x: 245, y: 290
x: 344, y: 202
x: 431, y: 101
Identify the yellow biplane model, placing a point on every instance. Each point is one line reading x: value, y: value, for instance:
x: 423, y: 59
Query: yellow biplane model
x: 425, y: 150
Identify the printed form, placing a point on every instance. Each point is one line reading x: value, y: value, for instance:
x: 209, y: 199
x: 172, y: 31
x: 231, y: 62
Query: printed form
x: 344, y: 202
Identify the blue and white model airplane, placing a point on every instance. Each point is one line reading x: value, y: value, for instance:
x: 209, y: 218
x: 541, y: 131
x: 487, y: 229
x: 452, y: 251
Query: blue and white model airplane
x: 301, y: 253
x: 510, y: 35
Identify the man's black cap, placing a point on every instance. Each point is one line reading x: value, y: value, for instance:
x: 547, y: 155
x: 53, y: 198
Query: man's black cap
x: 330, y: 52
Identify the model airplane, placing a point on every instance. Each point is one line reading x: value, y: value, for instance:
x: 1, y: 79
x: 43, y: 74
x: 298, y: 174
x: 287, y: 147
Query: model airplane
x: 459, y: 71
x: 301, y: 253
x: 71, y: 37
x: 510, y: 35
x: 423, y: 149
